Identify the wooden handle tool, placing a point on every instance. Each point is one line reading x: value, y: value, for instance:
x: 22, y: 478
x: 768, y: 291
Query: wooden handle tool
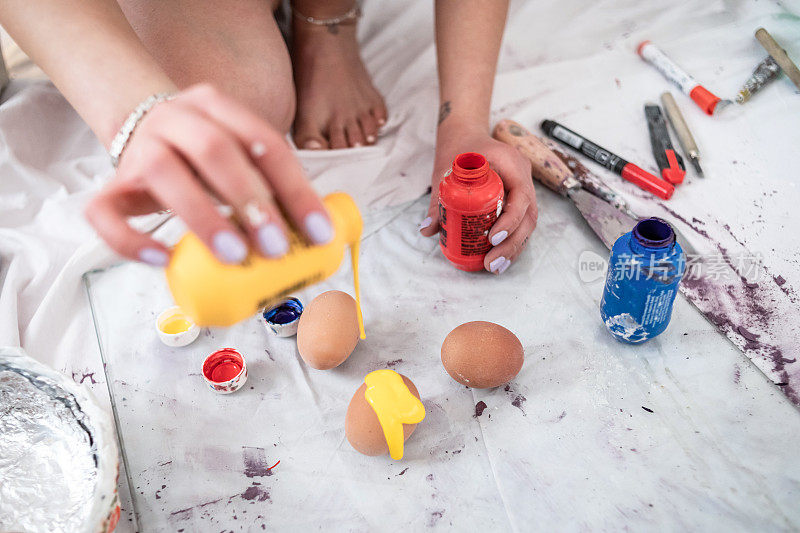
x: 779, y: 55
x: 685, y: 137
x: 545, y: 166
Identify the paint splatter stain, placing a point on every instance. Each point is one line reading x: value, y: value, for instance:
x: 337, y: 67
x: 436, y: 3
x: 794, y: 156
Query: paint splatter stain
x: 80, y: 377
x: 435, y: 517
x: 737, y: 374
x: 647, y: 409
x: 255, y: 462
x: 256, y: 493
x: 479, y: 408
x: 396, y: 362
x: 517, y: 402
x: 561, y: 416
x: 403, y: 471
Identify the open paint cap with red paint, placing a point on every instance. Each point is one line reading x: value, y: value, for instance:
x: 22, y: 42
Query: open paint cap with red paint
x: 225, y: 371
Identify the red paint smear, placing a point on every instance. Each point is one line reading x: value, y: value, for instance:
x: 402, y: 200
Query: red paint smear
x: 223, y: 365
x: 273, y: 466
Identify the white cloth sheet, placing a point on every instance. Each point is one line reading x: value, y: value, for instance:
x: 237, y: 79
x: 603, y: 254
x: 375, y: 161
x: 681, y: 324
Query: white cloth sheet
x: 571, y: 61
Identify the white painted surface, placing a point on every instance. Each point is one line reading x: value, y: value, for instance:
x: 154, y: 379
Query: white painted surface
x: 569, y: 61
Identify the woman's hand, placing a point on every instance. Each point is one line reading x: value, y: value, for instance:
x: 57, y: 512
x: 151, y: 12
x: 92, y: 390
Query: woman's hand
x: 189, y: 154
x: 511, y: 231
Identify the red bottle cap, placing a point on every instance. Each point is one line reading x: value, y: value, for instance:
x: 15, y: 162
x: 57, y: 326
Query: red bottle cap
x: 674, y: 173
x: 645, y: 180
x: 704, y: 98
x: 641, y: 45
x: 225, y: 371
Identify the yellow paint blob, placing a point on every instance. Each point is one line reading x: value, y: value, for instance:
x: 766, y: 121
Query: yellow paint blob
x: 175, y: 324
x: 216, y: 294
x: 395, y: 405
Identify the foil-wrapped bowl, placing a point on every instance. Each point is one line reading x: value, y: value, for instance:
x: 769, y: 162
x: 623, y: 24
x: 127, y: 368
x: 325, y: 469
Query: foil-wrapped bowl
x: 58, y: 454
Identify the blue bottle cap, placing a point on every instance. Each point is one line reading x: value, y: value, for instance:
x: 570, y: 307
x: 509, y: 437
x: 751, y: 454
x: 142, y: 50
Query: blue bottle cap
x: 282, y: 319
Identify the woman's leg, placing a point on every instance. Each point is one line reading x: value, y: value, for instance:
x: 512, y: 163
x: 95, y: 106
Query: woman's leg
x: 235, y: 45
x: 337, y: 105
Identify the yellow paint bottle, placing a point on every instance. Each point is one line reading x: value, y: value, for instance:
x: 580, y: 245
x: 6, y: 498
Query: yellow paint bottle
x: 216, y: 294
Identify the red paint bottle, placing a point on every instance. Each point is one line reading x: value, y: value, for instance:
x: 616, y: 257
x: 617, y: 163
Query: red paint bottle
x: 470, y: 200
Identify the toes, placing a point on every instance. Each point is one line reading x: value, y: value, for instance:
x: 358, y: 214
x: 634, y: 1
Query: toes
x: 379, y: 113
x: 307, y: 137
x: 355, y: 136
x: 336, y: 136
x: 369, y: 126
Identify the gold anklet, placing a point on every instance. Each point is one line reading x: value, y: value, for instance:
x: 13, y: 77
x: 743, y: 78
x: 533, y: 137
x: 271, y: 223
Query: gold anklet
x: 352, y: 15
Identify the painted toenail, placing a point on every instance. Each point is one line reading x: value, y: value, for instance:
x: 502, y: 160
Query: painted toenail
x: 357, y: 145
x: 312, y: 145
x: 370, y: 138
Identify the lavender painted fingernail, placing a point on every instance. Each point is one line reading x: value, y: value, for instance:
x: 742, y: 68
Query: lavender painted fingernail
x: 424, y: 224
x: 229, y: 248
x: 153, y: 256
x: 318, y: 227
x: 504, y: 267
x: 499, y: 237
x: 272, y: 240
x: 497, y: 264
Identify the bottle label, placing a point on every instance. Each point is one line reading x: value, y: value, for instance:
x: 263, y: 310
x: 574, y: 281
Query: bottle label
x: 472, y: 236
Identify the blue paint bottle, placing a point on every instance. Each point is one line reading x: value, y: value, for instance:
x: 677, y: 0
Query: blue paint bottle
x: 644, y: 271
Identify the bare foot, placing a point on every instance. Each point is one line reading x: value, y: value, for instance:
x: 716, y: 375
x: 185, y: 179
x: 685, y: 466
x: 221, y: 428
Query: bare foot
x: 337, y: 105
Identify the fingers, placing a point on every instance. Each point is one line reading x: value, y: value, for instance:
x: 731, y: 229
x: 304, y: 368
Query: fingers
x: 173, y: 184
x: 515, y: 207
x: 108, y: 214
x: 430, y: 224
x: 274, y: 158
x: 220, y: 160
x: 503, y: 255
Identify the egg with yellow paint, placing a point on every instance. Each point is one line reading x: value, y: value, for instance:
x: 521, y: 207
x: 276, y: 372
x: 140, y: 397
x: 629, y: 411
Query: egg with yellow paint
x: 383, y: 414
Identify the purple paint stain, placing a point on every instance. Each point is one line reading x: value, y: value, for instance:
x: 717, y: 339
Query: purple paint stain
x: 255, y: 462
x: 403, y: 471
x: 518, y: 401
x: 158, y: 497
x: 83, y: 377
x: 256, y: 493
x: 393, y: 363
x: 779, y: 281
x: 435, y: 517
x: 479, y: 408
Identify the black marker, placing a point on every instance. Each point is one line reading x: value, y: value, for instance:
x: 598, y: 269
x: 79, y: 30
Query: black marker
x: 615, y: 163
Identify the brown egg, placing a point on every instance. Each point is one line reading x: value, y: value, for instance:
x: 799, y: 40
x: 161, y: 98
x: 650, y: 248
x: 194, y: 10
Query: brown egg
x: 482, y: 355
x: 327, y: 332
x: 361, y: 425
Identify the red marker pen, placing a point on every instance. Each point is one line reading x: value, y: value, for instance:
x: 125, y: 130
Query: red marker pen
x: 628, y: 171
x: 688, y: 85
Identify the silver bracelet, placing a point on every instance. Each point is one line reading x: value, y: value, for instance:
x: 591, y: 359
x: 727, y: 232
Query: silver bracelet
x: 353, y: 14
x: 123, y: 136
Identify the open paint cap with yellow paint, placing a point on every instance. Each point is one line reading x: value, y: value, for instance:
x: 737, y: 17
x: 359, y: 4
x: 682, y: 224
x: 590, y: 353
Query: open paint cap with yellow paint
x: 175, y: 328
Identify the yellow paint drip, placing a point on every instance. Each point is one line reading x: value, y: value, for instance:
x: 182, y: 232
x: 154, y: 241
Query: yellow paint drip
x: 354, y: 259
x: 395, y: 405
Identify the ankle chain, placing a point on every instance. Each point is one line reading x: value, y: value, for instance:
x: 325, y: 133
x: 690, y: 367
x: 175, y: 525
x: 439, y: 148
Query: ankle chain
x: 352, y: 15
